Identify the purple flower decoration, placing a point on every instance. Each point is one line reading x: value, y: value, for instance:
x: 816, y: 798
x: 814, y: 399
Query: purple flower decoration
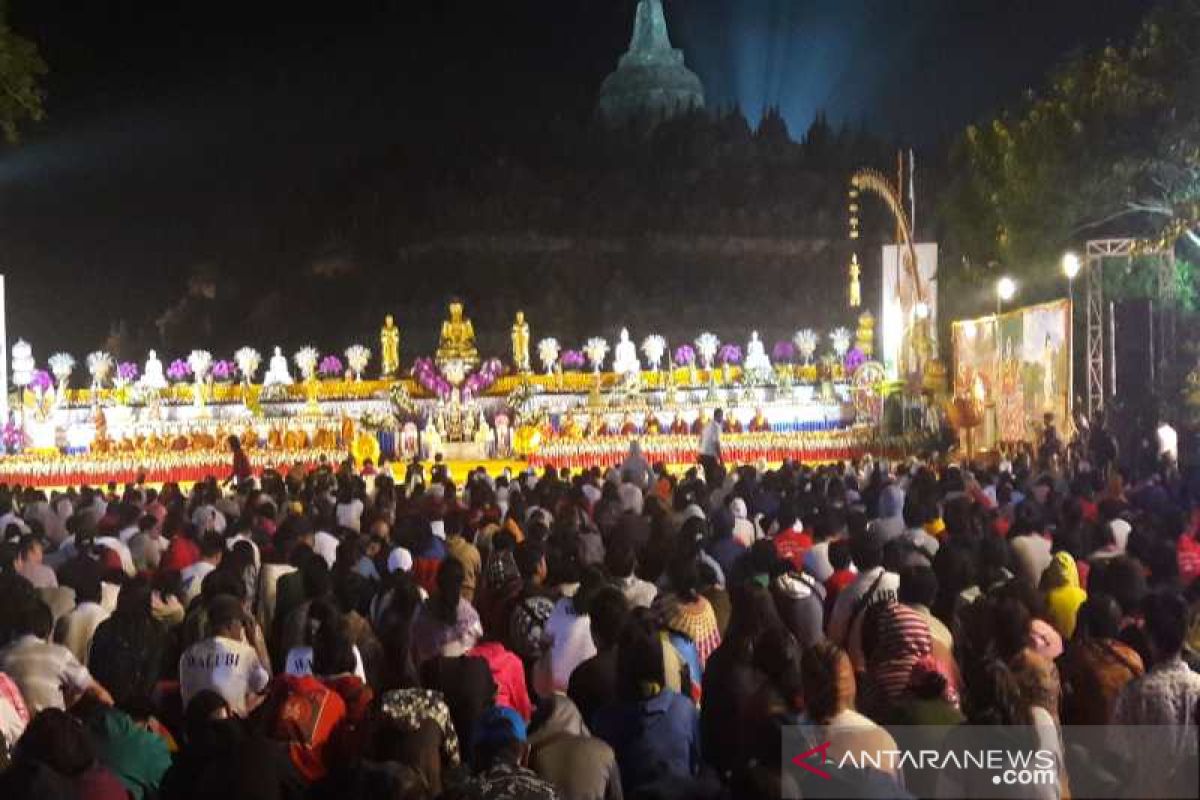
x: 854, y: 359
x: 729, y: 355
x: 427, y: 374
x: 784, y: 352
x: 224, y: 370
x: 14, y: 437
x: 41, y: 381
x: 127, y: 371
x: 685, y: 355
x: 572, y: 360
x: 330, y: 367
x: 179, y: 370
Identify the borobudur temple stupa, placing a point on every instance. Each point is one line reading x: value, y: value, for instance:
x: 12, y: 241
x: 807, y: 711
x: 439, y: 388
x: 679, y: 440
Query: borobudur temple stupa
x: 651, y: 82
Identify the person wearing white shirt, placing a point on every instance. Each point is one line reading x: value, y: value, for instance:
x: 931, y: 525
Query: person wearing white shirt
x: 224, y: 662
x: 874, y: 584
x: 75, y: 629
x: 1168, y: 442
x: 325, y: 545
x: 191, y: 577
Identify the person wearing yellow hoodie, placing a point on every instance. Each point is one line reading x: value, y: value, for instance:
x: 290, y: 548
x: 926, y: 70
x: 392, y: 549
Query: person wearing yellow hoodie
x: 1060, y: 583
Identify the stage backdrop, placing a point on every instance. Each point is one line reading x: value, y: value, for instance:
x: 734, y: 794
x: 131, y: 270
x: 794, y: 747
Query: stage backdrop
x: 899, y: 302
x: 1025, y: 372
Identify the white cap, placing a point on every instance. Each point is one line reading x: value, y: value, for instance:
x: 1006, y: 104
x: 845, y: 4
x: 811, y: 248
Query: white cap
x: 399, y: 559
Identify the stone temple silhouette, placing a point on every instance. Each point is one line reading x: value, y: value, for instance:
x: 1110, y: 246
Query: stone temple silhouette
x: 651, y: 83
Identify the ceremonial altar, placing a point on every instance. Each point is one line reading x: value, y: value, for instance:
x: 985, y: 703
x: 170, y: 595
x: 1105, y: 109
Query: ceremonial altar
x: 173, y: 422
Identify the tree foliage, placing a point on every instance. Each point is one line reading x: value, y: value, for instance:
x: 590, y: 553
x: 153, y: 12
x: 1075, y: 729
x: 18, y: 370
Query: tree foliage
x: 21, y: 70
x: 1106, y: 147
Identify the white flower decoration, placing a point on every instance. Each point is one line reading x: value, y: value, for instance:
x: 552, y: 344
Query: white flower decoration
x: 548, y: 351
x: 707, y: 345
x: 200, y: 361
x: 248, y: 361
x: 595, y: 350
x: 61, y: 366
x: 841, y: 341
x: 100, y: 365
x: 806, y: 343
x: 357, y: 357
x: 306, y: 361
x: 653, y: 348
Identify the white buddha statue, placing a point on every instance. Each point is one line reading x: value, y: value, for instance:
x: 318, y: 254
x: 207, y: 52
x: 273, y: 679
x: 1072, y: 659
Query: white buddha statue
x: 277, y: 373
x: 756, y: 356
x: 625, y: 360
x: 152, y: 374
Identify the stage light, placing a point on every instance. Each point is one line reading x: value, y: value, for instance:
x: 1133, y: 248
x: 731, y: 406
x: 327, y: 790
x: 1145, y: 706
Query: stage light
x: 922, y: 310
x: 1071, y: 265
x: 1006, y: 288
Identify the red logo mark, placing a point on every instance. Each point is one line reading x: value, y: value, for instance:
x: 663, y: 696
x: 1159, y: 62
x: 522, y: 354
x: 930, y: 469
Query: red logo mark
x: 800, y: 760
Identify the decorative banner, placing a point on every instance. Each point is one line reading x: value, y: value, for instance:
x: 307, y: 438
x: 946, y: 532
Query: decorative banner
x: 899, y: 313
x: 1025, y: 372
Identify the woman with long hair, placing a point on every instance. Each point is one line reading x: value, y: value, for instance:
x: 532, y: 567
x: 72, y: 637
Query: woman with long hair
x: 129, y: 648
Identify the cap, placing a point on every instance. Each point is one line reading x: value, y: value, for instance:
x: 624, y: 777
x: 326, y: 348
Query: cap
x: 498, y: 725
x: 399, y: 559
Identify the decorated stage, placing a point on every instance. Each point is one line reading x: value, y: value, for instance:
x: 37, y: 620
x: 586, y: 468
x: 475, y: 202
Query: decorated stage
x: 163, y: 423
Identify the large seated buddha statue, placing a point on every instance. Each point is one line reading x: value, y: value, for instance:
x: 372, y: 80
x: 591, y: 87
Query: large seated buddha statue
x: 456, y: 353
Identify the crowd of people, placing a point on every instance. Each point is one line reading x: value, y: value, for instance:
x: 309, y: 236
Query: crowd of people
x: 628, y: 632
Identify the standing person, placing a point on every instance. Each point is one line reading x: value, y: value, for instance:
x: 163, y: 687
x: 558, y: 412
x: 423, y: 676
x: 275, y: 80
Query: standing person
x: 710, y: 450
x: 1166, y: 696
x: 241, y: 471
x: 873, y: 584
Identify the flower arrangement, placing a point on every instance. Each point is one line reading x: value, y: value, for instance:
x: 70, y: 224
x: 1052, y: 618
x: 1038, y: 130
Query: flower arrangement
x: 127, y: 373
x: 357, y: 356
x: 853, y: 360
x: 479, y: 381
x: 200, y: 361
x: 730, y: 355
x: 841, y: 341
x: 706, y: 345
x: 548, y: 351
x: 14, y: 437
x: 61, y: 365
x: 596, y: 349
x: 573, y: 360
x: 41, y: 381
x: 685, y: 355
x: 224, y: 371
x: 653, y: 348
x: 100, y: 366
x: 784, y: 352
x: 426, y: 373
x: 806, y: 344
x: 248, y: 361
x: 330, y: 367
x: 306, y: 361
x: 179, y: 371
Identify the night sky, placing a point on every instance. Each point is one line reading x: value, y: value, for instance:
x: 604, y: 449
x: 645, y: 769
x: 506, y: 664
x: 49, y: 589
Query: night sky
x: 162, y: 114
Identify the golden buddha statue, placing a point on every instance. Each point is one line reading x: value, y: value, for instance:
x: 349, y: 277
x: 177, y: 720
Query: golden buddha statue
x: 520, y: 343
x: 457, y: 344
x: 389, y: 347
x: 855, y: 285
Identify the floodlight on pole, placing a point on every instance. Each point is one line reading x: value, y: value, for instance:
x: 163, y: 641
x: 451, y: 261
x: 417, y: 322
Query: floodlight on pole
x: 1071, y: 265
x: 1006, y: 288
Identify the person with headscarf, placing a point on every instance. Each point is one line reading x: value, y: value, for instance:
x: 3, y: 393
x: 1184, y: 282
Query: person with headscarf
x: 128, y: 648
x: 745, y: 532
x: 1060, y: 582
x: 414, y: 727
